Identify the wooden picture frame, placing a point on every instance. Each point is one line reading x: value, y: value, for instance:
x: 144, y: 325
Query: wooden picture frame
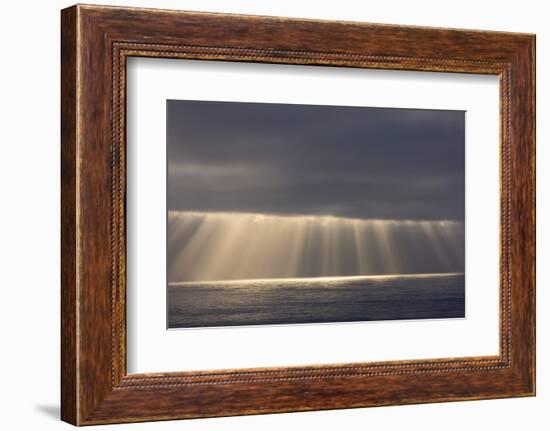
x: 95, y: 43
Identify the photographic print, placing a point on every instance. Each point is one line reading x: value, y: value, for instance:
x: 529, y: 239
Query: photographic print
x: 290, y: 214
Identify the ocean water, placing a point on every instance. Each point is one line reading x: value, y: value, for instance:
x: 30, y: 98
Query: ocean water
x: 315, y: 300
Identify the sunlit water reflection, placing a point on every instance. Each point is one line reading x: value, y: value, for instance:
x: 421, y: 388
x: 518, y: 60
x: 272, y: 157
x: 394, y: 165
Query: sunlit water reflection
x: 317, y: 300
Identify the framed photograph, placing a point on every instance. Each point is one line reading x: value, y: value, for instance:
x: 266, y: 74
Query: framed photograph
x: 267, y: 215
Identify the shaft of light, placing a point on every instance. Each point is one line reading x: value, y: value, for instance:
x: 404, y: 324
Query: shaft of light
x: 238, y: 246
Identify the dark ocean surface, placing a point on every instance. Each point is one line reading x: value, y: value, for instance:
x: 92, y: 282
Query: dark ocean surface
x: 315, y: 300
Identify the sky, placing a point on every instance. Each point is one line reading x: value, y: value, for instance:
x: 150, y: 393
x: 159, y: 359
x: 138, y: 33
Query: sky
x: 284, y: 191
x: 356, y: 162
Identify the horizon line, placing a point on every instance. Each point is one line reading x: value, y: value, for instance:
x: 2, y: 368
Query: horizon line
x: 435, y: 274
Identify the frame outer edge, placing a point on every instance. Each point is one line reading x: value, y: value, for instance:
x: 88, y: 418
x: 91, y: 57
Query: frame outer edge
x: 69, y: 197
x: 532, y: 100
x: 533, y: 53
x: 523, y: 178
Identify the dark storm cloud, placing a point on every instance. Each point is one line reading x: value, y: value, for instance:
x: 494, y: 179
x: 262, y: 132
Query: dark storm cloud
x: 305, y: 159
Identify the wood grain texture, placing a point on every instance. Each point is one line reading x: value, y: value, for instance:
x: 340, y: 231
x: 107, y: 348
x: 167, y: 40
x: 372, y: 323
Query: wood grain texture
x: 96, y: 41
x: 68, y: 218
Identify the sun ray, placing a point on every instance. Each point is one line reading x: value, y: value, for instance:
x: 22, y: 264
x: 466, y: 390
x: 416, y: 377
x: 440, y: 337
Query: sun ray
x: 234, y: 246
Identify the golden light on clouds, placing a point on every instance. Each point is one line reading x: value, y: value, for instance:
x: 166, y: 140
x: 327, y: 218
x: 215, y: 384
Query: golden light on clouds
x: 209, y: 246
